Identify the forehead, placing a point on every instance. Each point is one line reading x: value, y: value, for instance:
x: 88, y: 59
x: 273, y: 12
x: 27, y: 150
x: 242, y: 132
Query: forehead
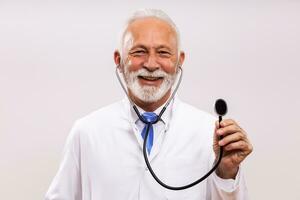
x: 151, y: 31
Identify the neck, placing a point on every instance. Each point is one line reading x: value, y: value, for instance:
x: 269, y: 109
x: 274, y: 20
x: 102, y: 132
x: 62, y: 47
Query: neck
x: 149, y: 106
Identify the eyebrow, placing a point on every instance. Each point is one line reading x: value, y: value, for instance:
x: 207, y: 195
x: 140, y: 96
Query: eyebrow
x: 164, y: 47
x: 144, y: 47
x: 138, y: 46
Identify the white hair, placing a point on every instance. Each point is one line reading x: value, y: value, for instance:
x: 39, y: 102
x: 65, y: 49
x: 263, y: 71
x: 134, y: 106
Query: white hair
x: 145, y: 13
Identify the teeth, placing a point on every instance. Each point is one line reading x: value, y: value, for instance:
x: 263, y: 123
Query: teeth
x: 150, y: 78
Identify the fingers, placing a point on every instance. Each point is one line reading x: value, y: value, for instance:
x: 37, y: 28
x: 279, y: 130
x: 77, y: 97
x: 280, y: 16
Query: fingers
x: 239, y: 145
x: 227, y: 122
x: 230, y: 129
x: 235, y: 143
x: 233, y: 136
x: 227, y: 126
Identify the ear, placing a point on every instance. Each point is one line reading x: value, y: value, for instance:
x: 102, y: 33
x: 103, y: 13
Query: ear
x: 181, y: 58
x: 117, y: 59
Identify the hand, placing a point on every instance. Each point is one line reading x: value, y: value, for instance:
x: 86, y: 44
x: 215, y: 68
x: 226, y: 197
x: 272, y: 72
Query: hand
x: 236, y: 147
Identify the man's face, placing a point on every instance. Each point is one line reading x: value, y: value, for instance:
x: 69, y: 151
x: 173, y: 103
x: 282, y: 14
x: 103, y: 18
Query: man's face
x: 150, y: 58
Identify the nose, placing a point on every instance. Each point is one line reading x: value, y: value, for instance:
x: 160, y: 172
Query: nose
x: 151, y: 63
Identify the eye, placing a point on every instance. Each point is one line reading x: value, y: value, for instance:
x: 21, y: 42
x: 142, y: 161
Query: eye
x: 138, y: 52
x: 164, y: 53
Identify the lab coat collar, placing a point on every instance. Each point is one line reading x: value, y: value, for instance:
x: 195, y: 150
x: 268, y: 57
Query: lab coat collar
x: 165, y: 118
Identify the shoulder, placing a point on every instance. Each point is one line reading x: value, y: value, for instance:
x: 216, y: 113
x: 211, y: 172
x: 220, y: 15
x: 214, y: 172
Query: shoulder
x: 192, y: 119
x: 191, y: 113
x: 193, y: 125
x: 104, y: 116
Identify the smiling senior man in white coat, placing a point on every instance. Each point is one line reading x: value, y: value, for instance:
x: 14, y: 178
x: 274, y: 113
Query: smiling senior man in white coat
x: 103, y: 157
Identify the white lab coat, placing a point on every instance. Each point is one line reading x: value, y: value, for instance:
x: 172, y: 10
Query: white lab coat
x: 103, y: 158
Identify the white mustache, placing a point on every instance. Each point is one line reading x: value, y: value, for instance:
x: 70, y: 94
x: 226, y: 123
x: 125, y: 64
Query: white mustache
x: 155, y: 74
x: 148, y: 93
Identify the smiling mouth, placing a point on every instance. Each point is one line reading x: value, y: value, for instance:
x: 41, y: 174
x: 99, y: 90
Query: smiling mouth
x: 150, y: 78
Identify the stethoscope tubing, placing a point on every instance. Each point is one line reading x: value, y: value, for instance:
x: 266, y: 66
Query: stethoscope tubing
x: 216, y: 164
x: 178, y: 187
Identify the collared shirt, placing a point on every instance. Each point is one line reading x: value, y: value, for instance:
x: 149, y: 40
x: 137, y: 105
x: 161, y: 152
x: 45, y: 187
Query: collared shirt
x: 103, y: 158
x: 159, y: 128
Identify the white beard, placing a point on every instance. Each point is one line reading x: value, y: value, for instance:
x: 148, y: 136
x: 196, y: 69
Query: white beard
x: 147, y: 93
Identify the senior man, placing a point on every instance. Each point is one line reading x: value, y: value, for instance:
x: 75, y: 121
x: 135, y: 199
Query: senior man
x: 103, y: 156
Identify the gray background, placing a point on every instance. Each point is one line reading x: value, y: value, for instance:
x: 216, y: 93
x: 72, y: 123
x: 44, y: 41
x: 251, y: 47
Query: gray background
x: 56, y: 66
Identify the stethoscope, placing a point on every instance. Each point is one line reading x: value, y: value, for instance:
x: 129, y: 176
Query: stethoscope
x: 220, y: 108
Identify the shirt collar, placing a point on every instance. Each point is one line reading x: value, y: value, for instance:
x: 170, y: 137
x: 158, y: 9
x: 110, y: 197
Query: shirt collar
x: 165, y: 118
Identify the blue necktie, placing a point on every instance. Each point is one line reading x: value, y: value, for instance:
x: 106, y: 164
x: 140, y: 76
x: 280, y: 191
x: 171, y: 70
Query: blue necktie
x: 149, y: 117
